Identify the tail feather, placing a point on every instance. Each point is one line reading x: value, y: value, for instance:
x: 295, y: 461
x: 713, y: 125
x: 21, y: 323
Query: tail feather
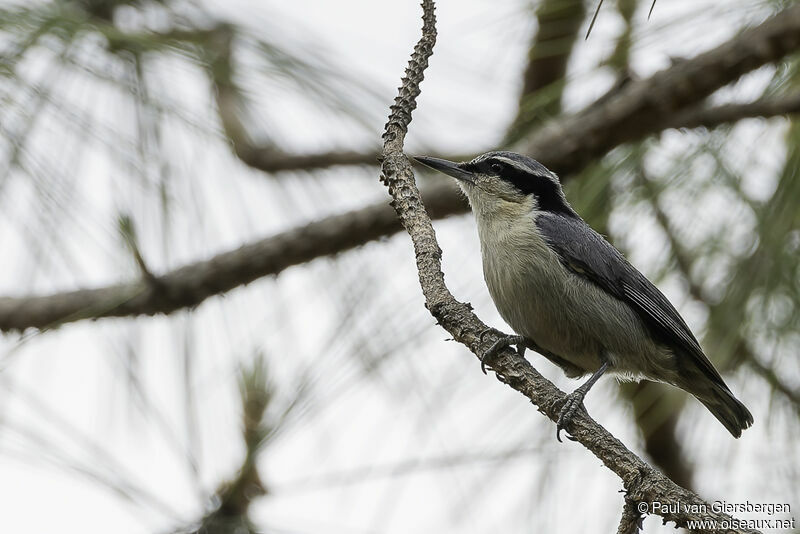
x: 727, y: 409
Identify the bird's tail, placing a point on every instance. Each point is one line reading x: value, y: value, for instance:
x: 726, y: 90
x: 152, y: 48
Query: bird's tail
x: 726, y: 408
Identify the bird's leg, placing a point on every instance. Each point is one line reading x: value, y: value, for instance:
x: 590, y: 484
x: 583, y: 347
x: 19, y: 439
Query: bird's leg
x: 504, y: 341
x: 575, y: 400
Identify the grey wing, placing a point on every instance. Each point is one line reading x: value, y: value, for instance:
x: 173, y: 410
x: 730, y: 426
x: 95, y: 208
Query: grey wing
x: 588, y: 254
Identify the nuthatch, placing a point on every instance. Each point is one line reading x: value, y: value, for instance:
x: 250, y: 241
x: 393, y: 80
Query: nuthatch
x: 571, y: 296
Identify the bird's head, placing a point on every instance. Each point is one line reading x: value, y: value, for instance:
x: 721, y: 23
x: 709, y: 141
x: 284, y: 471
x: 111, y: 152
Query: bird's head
x: 496, y: 179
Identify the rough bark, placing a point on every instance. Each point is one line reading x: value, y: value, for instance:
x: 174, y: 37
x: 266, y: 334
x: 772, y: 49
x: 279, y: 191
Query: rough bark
x: 631, y: 521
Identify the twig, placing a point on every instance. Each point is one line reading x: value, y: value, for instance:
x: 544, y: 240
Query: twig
x: 631, y: 521
x: 642, y: 482
x: 594, y: 19
x: 652, y: 7
x: 268, y: 158
x: 127, y: 231
x: 271, y: 159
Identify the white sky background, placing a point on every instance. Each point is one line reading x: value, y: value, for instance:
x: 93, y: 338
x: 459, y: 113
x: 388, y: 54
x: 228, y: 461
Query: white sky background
x: 389, y: 391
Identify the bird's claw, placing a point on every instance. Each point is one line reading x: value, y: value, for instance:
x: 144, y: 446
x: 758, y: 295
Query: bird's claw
x: 491, y: 330
x: 572, y: 404
x: 504, y: 341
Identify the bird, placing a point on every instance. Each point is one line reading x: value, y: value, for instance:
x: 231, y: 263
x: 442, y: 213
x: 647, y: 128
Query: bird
x: 571, y: 296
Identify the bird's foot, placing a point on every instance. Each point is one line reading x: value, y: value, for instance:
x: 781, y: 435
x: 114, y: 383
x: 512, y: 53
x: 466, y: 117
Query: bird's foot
x: 574, y: 401
x: 572, y: 404
x: 504, y: 341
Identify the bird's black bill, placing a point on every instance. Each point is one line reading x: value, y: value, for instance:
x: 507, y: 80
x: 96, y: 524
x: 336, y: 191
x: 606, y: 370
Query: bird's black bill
x: 448, y: 167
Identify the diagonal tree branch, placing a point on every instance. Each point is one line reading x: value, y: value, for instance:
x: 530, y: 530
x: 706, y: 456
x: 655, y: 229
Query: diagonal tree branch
x: 273, y: 159
x: 190, y: 285
x: 642, y: 483
x: 643, y: 107
x: 711, y: 117
x: 566, y: 145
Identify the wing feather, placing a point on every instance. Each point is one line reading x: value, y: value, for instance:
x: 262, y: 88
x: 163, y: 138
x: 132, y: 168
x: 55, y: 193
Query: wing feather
x: 588, y: 254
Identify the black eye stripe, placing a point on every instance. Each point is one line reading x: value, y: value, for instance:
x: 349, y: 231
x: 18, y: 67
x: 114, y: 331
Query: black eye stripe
x: 528, y: 183
x: 547, y: 192
x: 488, y: 166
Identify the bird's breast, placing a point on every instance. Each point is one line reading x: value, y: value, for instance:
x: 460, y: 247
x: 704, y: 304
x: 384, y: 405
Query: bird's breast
x: 545, y: 302
x: 528, y: 285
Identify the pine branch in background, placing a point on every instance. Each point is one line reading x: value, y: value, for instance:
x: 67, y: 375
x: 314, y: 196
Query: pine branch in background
x: 233, y: 498
x: 766, y: 272
x: 217, y: 53
x: 725, y: 328
x: 645, y: 106
x: 544, y: 79
x: 775, y: 381
x: 704, y: 116
x: 267, y: 158
x: 191, y: 284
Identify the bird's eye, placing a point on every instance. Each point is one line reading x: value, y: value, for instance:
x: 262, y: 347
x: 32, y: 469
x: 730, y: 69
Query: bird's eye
x: 496, y: 168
